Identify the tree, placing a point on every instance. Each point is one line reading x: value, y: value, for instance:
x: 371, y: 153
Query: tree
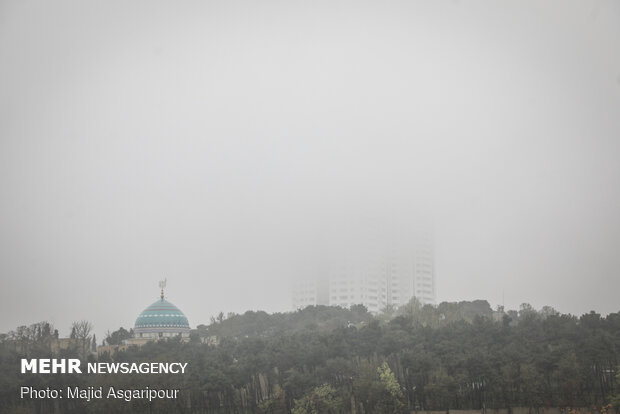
x: 117, y: 337
x: 276, y: 404
x: 411, y: 308
x: 615, y: 399
x: 548, y: 311
x: 321, y: 400
x: 394, y: 401
x: 80, y: 331
x: 527, y: 312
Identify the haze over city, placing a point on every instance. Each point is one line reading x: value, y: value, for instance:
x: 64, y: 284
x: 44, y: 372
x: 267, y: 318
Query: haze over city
x: 220, y: 145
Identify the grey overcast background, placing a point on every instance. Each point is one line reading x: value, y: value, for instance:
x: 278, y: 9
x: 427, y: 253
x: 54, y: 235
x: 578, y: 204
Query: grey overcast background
x: 219, y: 143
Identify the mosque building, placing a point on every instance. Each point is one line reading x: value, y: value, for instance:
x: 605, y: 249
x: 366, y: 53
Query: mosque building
x: 160, y: 320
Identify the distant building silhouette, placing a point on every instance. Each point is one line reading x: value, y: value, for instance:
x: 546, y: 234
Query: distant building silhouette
x: 375, y: 268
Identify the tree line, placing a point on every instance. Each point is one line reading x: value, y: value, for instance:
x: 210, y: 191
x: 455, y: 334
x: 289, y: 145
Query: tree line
x: 332, y: 360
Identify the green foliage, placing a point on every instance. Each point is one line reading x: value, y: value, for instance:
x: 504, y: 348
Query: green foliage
x: 321, y: 400
x: 312, y: 318
x: 393, y: 401
x: 275, y: 404
x: 452, y: 356
x: 615, y: 399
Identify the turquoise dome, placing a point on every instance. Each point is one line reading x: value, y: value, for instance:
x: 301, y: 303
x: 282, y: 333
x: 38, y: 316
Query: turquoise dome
x: 162, y: 316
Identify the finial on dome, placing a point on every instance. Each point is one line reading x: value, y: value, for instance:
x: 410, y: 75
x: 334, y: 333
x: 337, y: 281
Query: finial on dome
x: 162, y: 285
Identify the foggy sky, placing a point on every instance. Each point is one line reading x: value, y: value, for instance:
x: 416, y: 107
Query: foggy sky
x: 218, y: 143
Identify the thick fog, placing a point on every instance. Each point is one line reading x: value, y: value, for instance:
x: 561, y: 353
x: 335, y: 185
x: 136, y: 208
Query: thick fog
x: 222, y: 145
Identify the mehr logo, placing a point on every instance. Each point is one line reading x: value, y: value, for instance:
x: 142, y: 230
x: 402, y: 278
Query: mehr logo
x: 51, y: 366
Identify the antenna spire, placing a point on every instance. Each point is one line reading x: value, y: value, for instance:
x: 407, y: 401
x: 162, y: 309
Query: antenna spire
x: 162, y: 285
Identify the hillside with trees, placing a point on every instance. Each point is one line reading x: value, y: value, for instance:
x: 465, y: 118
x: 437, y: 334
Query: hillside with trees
x: 331, y: 360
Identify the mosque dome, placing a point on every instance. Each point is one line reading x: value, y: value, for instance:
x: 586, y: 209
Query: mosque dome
x: 161, y: 319
x: 162, y: 314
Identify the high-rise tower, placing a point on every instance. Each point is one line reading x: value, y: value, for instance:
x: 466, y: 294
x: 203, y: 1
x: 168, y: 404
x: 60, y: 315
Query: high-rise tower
x: 377, y: 268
